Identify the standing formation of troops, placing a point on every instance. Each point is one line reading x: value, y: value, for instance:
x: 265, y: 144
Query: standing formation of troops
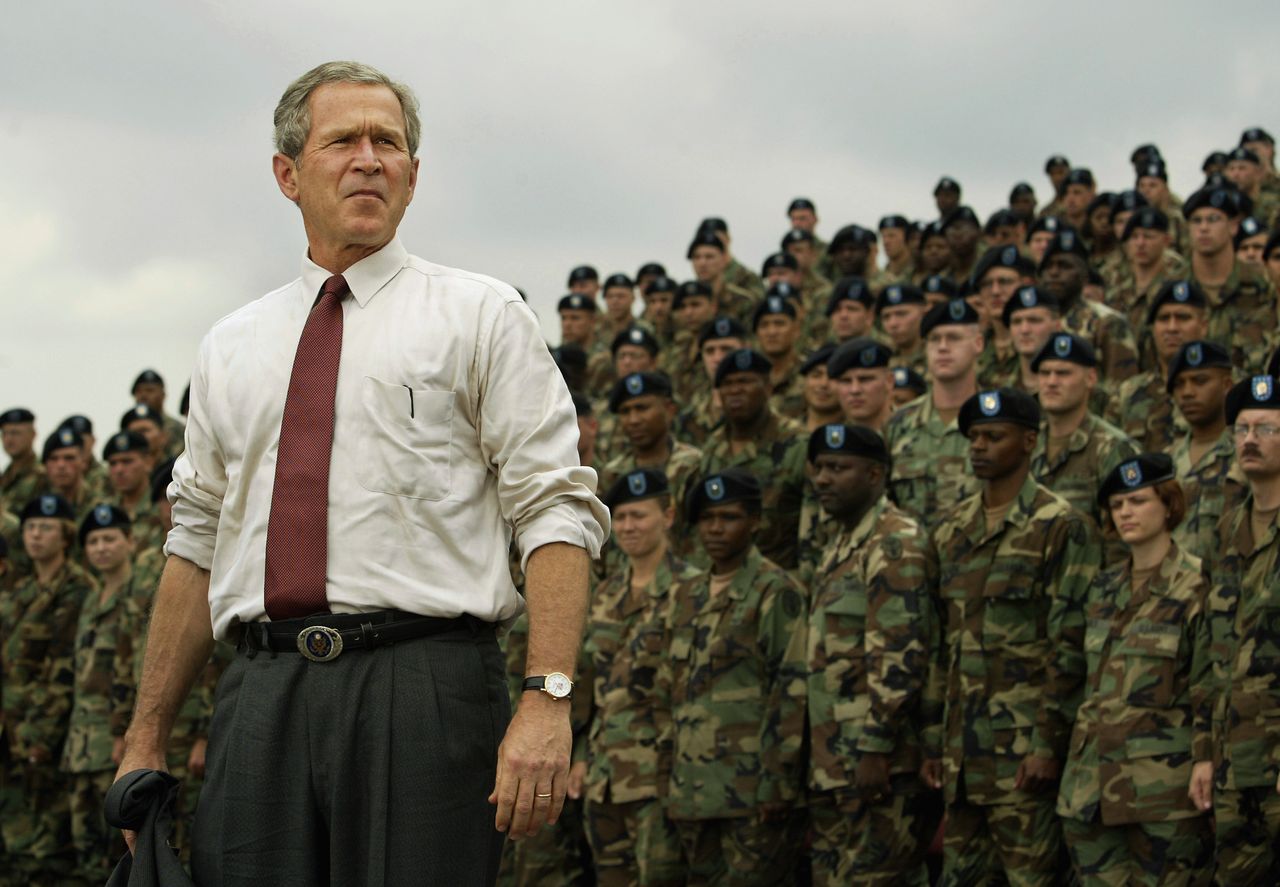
x: 943, y: 552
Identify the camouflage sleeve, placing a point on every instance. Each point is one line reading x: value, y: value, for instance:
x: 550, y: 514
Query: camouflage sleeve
x: 208, y: 686
x: 48, y: 677
x: 1071, y: 567
x: 898, y: 631
x: 1204, y: 683
x: 933, y: 695
x: 582, y: 706
x: 791, y: 468
x: 123, y: 687
x: 1119, y: 352
x: 783, y: 638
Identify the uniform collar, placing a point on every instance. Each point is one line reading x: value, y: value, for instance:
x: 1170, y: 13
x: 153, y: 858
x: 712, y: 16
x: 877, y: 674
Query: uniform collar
x: 365, y: 278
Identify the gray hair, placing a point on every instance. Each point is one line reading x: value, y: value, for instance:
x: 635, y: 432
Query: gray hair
x: 293, y: 112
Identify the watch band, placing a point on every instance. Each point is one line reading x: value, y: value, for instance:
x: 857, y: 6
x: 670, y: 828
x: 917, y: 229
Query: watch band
x: 539, y: 682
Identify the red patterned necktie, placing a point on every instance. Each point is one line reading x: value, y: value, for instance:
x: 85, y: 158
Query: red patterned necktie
x: 298, y: 528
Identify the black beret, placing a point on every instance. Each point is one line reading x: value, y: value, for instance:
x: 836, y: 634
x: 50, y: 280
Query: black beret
x: 1000, y: 405
x: 638, y: 336
x: 661, y: 284
x: 79, y: 424
x: 899, y: 294
x: 704, y: 237
x: 1128, y: 201
x: 783, y: 291
x: 147, y: 377
x: 1022, y: 189
x: 1143, y: 470
x: 853, y: 440
x: 894, y: 221
x: 1183, y: 292
x: 1248, y: 227
x: 1065, y: 241
x: 905, y: 377
x: 722, y: 328
x: 691, y: 289
x: 1028, y: 297
x: 161, y: 477
x: 721, y: 488
x: 1144, y: 153
x: 939, y: 283
x: 961, y: 214
x: 643, y: 483
x: 1154, y: 170
x: 654, y: 268
x: 714, y: 223
x: 1003, y: 257
x: 1068, y: 347
x: 1147, y: 218
x: 1243, y: 153
x: 946, y: 183
x: 1080, y: 176
x: 125, y: 442
x: 1104, y: 199
x: 818, y: 358
x: 1256, y: 393
x: 1215, y: 158
x: 1052, y: 224
x: 801, y: 203
x: 47, y: 505
x: 779, y: 260
x: 1256, y: 134
x: 954, y: 312
x: 16, y: 415
x: 933, y: 229
x: 852, y: 289
x: 569, y: 356
x: 104, y: 517
x: 1221, y: 198
x: 620, y: 280
x: 861, y: 353
x: 772, y: 304
x: 1056, y: 160
x: 141, y: 411
x: 744, y: 360
x: 1001, y: 218
x: 1197, y: 355
x: 796, y: 235
x: 577, y: 302
x: 852, y: 234
x: 581, y: 273
x: 64, y: 437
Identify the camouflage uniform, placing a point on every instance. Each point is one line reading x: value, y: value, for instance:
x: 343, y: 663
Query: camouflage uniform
x: 21, y: 482
x: 998, y: 365
x: 629, y: 765
x: 872, y: 625
x: 700, y: 419
x: 1126, y: 814
x: 1243, y: 640
x: 1010, y: 672
x: 931, y: 470
x: 1213, y: 486
x: 682, y: 362
x: 177, y: 436
x: 1124, y: 296
x: 776, y: 455
x: 736, y: 302
x: 39, y: 625
x: 734, y: 675
x: 147, y: 531
x: 815, y: 327
x: 96, y: 488
x: 1143, y: 409
x: 913, y: 359
x: 1078, y: 470
x: 787, y: 398
x: 743, y: 277
x: 1109, y: 334
x: 1242, y: 315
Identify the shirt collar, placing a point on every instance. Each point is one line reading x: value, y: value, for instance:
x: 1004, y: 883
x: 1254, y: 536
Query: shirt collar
x: 365, y: 278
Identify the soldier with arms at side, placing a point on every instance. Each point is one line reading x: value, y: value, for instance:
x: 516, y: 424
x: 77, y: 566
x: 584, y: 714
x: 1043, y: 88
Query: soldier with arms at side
x: 23, y: 478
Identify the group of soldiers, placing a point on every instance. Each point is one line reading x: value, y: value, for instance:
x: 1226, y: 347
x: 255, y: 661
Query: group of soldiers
x: 967, y: 547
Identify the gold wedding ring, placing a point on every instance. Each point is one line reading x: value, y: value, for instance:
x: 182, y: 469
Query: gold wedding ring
x: 536, y: 795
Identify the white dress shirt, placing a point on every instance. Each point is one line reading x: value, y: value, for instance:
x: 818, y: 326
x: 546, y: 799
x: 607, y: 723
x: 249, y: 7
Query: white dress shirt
x: 452, y: 430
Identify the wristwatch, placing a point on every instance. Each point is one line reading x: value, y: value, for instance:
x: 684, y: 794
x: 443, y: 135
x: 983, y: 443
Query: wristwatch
x: 555, y: 685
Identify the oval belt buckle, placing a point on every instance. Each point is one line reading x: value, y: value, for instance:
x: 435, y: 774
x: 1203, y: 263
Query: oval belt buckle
x: 320, y: 643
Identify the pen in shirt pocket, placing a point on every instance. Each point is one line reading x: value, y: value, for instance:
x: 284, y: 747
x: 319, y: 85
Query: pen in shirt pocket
x: 410, y: 390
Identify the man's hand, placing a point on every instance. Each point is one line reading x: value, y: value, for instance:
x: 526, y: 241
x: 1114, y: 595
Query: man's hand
x: 1036, y: 774
x: 1200, y: 790
x: 195, y: 760
x: 533, y: 766
x: 138, y: 756
x: 577, y: 776
x: 931, y: 772
x: 871, y: 779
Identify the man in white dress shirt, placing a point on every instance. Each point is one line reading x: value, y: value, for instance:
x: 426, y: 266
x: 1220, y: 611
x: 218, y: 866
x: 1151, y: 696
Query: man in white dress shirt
x: 355, y: 736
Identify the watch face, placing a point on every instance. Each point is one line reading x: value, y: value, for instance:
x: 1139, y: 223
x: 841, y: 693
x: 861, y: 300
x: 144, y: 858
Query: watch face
x: 558, y: 685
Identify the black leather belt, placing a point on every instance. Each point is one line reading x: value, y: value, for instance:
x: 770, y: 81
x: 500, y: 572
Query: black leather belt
x: 326, y: 636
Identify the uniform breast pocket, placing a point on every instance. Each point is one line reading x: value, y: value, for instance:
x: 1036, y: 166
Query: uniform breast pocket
x: 1014, y: 613
x: 405, y: 448
x: 1151, y: 664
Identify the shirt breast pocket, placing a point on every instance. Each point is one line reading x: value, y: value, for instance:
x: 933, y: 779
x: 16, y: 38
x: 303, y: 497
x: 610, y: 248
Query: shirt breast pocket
x: 406, y: 442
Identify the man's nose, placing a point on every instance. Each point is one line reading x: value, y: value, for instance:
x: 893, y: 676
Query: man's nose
x: 366, y: 157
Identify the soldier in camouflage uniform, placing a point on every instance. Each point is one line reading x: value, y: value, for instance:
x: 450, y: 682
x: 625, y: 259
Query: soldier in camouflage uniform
x: 693, y: 310
x: 94, y: 472
x: 822, y: 403
x: 1149, y: 264
x: 1245, y: 170
x: 776, y: 326
x: 23, y: 478
x: 899, y: 264
x: 872, y: 625
x: 734, y: 675
x: 852, y: 254
x: 93, y: 748
x: 129, y: 465
x: 1015, y: 562
x: 1032, y: 317
x: 701, y: 413
x: 148, y: 388
x: 64, y: 470
x: 735, y: 273
x: 900, y: 308
x: 931, y: 469
x: 618, y: 293
x: 38, y: 621
x: 811, y: 297
x: 659, y: 297
x: 999, y: 274
x: 1153, y: 183
x: 634, y: 350
x: 1076, y: 449
x: 963, y: 231
x: 1204, y: 459
x: 578, y: 319
x: 1127, y: 815
x: 709, y: 259
x: 628, y: 763
x: 851, y: 310
x: 1242, y: 640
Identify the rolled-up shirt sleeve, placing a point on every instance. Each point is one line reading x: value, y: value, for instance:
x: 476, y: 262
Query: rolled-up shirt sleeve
x: 199, y: 477
x: 529, y: 434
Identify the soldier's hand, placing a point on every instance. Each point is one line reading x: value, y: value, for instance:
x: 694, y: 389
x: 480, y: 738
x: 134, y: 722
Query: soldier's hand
x: 1037, y: 774
x: 195, y: 760
x: 577, y: 776
x: 142, y: 756
x: 872, y: 776
x: 931, y: 772
x: 533, y: 766
x: 1200, y: 791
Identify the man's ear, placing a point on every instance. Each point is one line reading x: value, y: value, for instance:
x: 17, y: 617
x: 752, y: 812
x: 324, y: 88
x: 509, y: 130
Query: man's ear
x: 285, y: 170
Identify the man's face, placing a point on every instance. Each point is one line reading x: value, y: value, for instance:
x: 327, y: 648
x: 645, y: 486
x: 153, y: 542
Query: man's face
x: 1064, y: 276
x: 1201, y: 395
x: 1038, y: 243
x: 777, y: 334
x: 1031, y: 328
x: 1258, y: 452
x: 804, y: 253
x: 1065, y: 386
x: 65, y: 468
x: 630, y: 359
x: 1024, y: 205
x: 1249, y: 252
x: 42, y: 538
x: 845, y: 484
x: 1006, y: 235
x: 617, y: 301
x: 694, y: 311
x: 641, y: 527
x: 1146, y: 247
x: 1175, y: 324
x: 150, y: 393
x: 129, y: 472
x: 588, y: 287
x: 1246, y: 176
x: 894, y: 241
x: 902, y: 324
x: 18, y: 438
x: 156, y: 437
x: 714, y: 350
x: 1273, y: 268
x: 1211, y: 231
x: 864, y: 392
x: 354, y: 178
x: 726, y: 530
x: 1056, y: 174
x: 1265, y: 150
x: 1076, y: 199
x: 962, y: 237
x: 995, y: 289
x: 850, y: 319
x: 935, y: 255
x: 646, y: 420
x: 744, y: 397
x: 951, y: 351
x: 819, y: 392
x: 782, y: 274
x: 708, y: 263
x: 657, y: 306
x: 998, y: 449
x: 1156, y: 190
x: 107, y: 550
x: 803, y: 219
x: 946, y: 201
x: 576, y: 326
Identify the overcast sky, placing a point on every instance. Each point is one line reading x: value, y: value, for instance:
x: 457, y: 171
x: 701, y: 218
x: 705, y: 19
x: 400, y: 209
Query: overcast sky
x: 137, y: 205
